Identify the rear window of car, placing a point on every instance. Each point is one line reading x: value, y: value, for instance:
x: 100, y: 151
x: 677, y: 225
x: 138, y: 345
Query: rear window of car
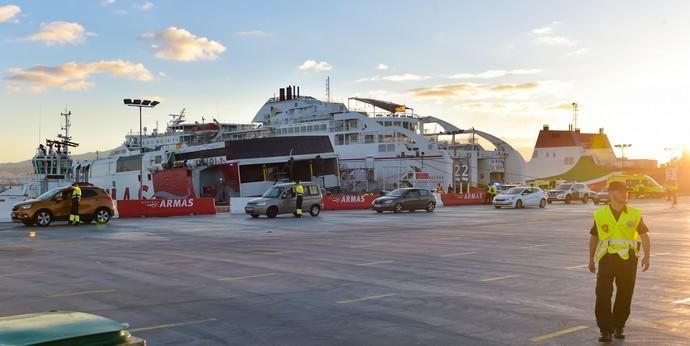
x: 412, y: 194
x: 88, y: 193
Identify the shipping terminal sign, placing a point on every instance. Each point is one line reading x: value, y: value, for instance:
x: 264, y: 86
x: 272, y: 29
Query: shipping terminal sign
x: 462, y: 170
x: 166, y: 207
x: 169, y: 203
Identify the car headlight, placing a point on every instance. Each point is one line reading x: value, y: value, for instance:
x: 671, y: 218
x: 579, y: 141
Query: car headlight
x: 261, y: 204
x: 26, y: 206
x: 510, y: 198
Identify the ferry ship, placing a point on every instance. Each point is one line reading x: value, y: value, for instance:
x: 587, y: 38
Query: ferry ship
x: 342, y: 148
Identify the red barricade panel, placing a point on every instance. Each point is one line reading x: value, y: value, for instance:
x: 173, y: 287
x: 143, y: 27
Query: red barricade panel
x: 166, y: 207
x: 347, y: 202
x: 463, y: 198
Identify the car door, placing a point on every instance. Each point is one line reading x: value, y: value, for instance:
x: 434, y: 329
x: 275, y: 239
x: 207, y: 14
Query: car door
x: 415, y: 199
x: 87, y: 205
x: 286, y: 201
x: 62, y: 203
x: 528, y: 196
x: 424, y: 197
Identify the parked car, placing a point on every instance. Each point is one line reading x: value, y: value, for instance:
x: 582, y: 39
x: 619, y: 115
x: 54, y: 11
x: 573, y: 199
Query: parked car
x: 280, y: 199
x: 601, y: 196
x: 520, y: 197
x: 54, y: 205
x: 405, y: 199
x: 568, y: 192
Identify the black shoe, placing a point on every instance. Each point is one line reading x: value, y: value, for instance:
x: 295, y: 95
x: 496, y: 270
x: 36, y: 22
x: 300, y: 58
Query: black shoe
x: 618, y: 333
x: 76, y: 223
x: 69, y: 222
x: 605, y: 337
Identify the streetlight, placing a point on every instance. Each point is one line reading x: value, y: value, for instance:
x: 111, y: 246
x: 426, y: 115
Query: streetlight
x: 622, y: 147
x: 141, y: 104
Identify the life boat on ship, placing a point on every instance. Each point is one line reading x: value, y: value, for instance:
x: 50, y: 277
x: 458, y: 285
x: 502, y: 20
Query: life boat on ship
x: 205, y: 129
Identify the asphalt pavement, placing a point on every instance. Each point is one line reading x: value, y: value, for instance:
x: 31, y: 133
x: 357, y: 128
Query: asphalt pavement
x: 468, y: 275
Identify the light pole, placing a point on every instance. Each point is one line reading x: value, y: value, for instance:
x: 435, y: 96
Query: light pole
x: 622, y: 147
x: 141, y: 104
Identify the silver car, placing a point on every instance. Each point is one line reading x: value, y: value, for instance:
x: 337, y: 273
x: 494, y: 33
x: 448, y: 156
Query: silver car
x: 280, y: 199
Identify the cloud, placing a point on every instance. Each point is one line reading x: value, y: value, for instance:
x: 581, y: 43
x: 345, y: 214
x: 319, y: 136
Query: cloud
x: 108, y: 2
x: 9, y: 12
x: 394, y: 78
x: 581, y: 51
x: 381, y: 67
x: 162, y: 74
x: 58, y: 33
x: 545, y: 36
x: 565, y: 106
x: 181, y: 45
x: 74, y: 76
x: 511, y: 87
x: 145, y: 6
x: 313, y: 65
x: 253, y: 33
x: 494, y: 74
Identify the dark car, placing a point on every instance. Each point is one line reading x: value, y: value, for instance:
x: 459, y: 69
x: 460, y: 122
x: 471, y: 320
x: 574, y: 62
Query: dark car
x: 405, y: 199
x: 601, y: 196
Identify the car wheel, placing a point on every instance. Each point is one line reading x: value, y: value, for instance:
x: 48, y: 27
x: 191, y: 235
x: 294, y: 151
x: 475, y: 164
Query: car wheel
x: 43, y: 218
x: 585, y: 199
x: 397, y: 208
x: 567, y: 199
x: 497, y: 206
x: 315, y: 210
x: 255, y: 216
x: 430, y: 207
x: 595, y: 200
x: 519, y: 204
x: 272, y: 212
x: 542, y: 203
x: 380, y: 211
x: 102, y: 216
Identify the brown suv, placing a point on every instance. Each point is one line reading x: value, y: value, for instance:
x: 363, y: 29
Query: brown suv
x: 54, y: 205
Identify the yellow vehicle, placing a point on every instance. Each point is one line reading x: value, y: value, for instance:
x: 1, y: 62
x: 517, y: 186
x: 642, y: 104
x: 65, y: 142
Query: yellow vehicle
x: 640, y: 185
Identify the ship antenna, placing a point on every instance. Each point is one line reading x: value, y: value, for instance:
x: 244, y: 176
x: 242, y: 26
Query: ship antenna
x: 574, y: 115
x: 328, y: 89
x: 68, y: 123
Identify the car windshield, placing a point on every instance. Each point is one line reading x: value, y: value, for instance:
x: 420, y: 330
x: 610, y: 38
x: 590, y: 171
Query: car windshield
x: 564, y: 187
x: 395, y: 193
x: 49, y: 194
x: 514, y: 191
x: 273, y: 192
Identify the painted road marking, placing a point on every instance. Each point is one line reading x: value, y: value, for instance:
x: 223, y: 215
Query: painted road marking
x: 660, y: 254
x: 499, y: 278
x: 366, y: 298
x: 580, y: 266
x: 21, y: 274
x: 170, y: 325
x: 373, y: 263
x: 61, y: 295
x: 558, y: 333
x: 168, y: 262
x: 458, y: 254
x: 682, y: 301
x: 237, y: 278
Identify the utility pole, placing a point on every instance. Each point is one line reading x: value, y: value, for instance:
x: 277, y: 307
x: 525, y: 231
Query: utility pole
x: 622, y: 148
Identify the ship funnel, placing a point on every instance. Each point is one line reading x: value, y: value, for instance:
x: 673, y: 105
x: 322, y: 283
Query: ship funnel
x: 297, y: 91
x: 289, y: 93
x: 282, y: 94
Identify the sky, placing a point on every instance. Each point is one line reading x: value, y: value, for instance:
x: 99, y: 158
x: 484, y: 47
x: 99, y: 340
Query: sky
x: 505, y: 67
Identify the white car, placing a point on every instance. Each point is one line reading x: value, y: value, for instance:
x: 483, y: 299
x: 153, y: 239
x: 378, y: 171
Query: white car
x: 520, y: 197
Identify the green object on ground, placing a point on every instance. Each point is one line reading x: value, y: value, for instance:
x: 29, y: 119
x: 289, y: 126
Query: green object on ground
x: 61, y: 328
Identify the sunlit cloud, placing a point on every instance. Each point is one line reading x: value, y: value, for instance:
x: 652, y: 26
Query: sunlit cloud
x: 474, y: 91
x: 381, y: 67
x: 313, y: 65
x: 9, y: 13
x: 108, y: 2
x: 147, y: 5
x: 545, y: 36
x: 179, y: 44
x: 72, y: 75
x: 59, y: 32
x: 564, y: 106
x: 405, y: 77
x: 253, y: 33
x: 494, y: 74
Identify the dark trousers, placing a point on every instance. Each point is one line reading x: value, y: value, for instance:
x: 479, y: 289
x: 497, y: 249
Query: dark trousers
x: 612, y: 268
x: 299, y: 205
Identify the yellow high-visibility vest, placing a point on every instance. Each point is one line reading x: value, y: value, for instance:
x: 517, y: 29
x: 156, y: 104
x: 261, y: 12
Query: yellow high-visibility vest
x: 76, y: 192
x: 299, y: 190
x: 617, y: 236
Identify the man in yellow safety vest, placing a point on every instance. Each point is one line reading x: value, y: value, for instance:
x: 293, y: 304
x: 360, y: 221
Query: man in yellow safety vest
x: 74, y: 208
x: 614, y: 247
x: 299, y: 192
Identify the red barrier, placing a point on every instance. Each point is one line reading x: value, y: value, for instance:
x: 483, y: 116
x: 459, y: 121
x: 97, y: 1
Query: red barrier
x: 451, y: 199
x: 347, y: 202
x: 166, y: 207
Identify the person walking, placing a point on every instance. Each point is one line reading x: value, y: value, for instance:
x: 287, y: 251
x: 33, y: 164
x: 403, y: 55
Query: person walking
x: 74, y: 210
x: 614, y: 248
x: 299, y: 192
